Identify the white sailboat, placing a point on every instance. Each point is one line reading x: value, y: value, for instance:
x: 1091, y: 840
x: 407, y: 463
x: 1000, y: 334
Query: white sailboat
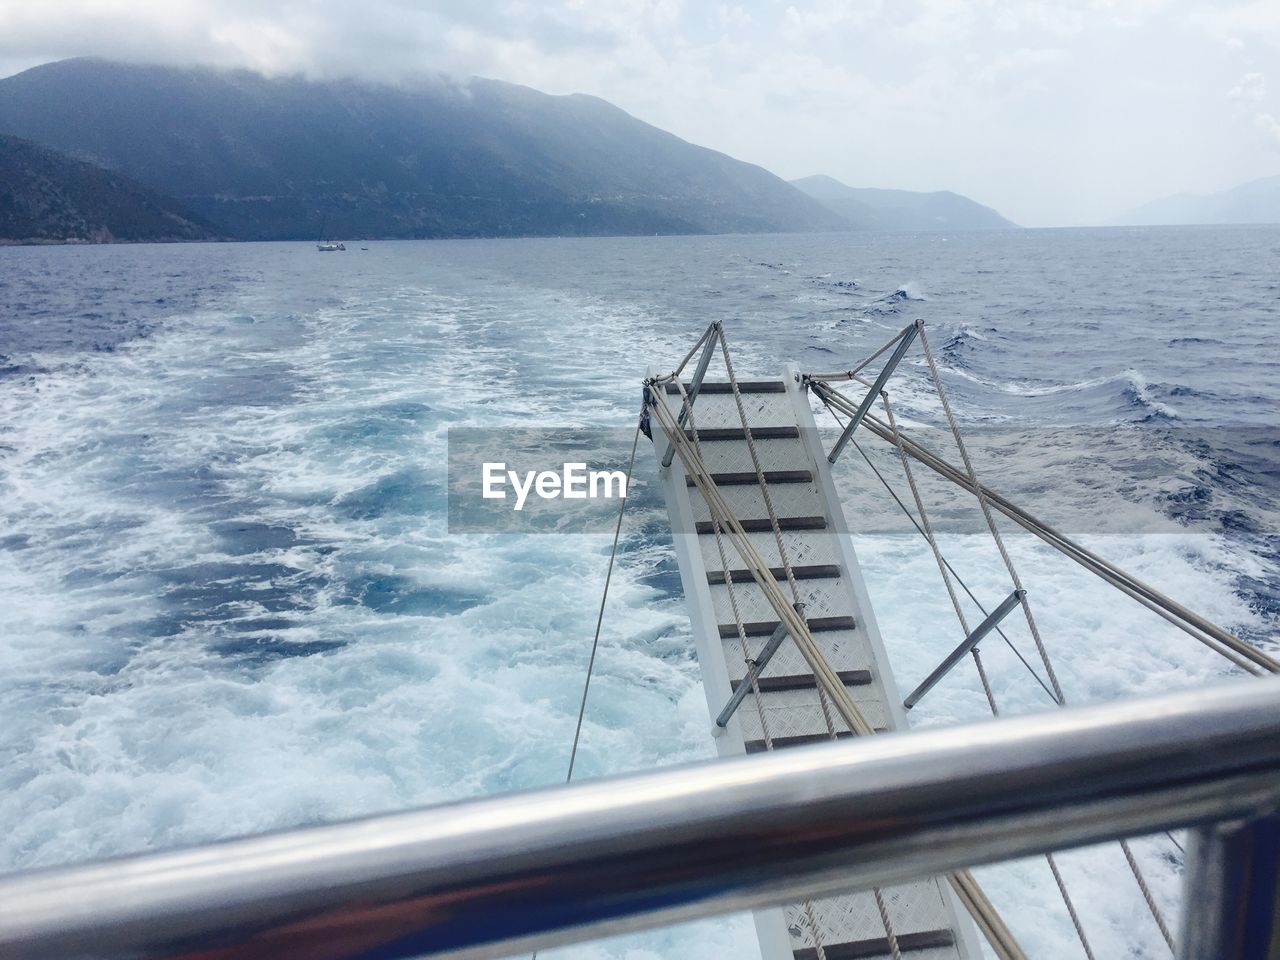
x: 328, y: 246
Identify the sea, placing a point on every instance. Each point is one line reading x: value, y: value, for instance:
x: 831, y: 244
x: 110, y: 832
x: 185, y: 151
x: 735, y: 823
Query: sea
x: 231, y: 600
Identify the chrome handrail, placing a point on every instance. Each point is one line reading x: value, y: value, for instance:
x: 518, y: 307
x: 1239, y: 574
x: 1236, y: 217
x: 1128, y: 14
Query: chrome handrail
x: 493, y: 877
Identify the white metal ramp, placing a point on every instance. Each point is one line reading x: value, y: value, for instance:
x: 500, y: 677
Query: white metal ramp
x: 925, y: 921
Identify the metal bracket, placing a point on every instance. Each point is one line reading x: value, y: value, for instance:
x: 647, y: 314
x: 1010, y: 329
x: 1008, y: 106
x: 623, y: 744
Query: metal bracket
x: 967, y: 644
x: 713, y: 337
x: 757, y: 666
x: 906, y: 337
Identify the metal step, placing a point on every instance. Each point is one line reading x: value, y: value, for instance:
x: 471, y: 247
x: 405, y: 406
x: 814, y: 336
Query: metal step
x: 762, y: 628
x: 718, y: 434
x: 805, y: 681
x: 764, y: 524
x: 879, y: 946
x: 744, y: 386
x: 745, y: 477
x: 820, y: 571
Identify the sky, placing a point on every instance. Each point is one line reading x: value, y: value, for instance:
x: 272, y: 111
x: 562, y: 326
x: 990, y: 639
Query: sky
x: 1055, y: 112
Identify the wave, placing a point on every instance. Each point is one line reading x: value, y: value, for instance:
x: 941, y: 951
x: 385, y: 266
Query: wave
x: 847, y: 285
x: 1137, y: 392
x: 892, y: 303
x: 1028, y: 389
x: 1135, y: 386
x: 232, y: 617
x: 963, y: 341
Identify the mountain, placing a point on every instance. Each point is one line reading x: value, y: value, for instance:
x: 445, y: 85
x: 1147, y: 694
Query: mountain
x: 277, y: 158
x: 45, y: 196
x: 900, y: 210
x: 1255, y: 202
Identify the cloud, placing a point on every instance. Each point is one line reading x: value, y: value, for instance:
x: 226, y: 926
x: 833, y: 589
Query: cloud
x: 1269, y: 126
x: 381, y: 39
x: 1259, y: 20
x: 826, y: 15
x: 1129, y: 13
x: 734, y: 18
x: 1250, y: 93
x: 1060, y: 20
x: 1251, y: 88
x: 1050, y: 110
x: 1015, y: 69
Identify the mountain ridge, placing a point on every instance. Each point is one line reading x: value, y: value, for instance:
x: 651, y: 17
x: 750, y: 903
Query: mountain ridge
x: 1255, y: 201
x: 874, y: 208
x: 48, y: 197
x: 273, y: 158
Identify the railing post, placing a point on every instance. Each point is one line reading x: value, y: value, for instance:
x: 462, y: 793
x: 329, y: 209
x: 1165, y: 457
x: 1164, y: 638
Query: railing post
x: 1231, y: 898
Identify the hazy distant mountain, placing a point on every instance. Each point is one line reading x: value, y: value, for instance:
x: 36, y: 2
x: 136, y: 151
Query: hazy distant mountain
x: 45, y: 196
x: 872, y: 209
x: 274, y: 158
x: 1255, y: 202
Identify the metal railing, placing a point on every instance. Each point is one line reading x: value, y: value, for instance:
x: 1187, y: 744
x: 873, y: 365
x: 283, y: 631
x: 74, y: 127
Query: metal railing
x: 494, y: 877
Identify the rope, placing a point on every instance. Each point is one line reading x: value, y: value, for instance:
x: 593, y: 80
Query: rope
x: 747, y: 661
x: 1147, y: 895
x: 795, y: 593
x: 981, y: 494
x: 967, y: 889
x: 960, y: 580
x: 1156, y: 913
x: 1222, y: 642
x: 696, y: 469
x: 830, y: 398
x: 773, y: 518
x: 774, y: 525
x: 1071, y: 907
x: 755, y: 462
x: 986, y: 513
x: 977, y: 661
x: 926, y: 531
x: 927, y: 528
x: 937, y: 554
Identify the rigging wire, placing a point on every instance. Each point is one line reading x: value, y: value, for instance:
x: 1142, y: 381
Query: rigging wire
x: 983, y: 500
x: 604, y: 595
x: 1243, y: 655
x: 964, y: 586
x: 927, y: 532
x: 881, y: 906
x: 811, y: 919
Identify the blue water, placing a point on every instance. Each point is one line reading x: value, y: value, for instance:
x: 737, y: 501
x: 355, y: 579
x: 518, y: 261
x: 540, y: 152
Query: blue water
x: 229, y: 601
